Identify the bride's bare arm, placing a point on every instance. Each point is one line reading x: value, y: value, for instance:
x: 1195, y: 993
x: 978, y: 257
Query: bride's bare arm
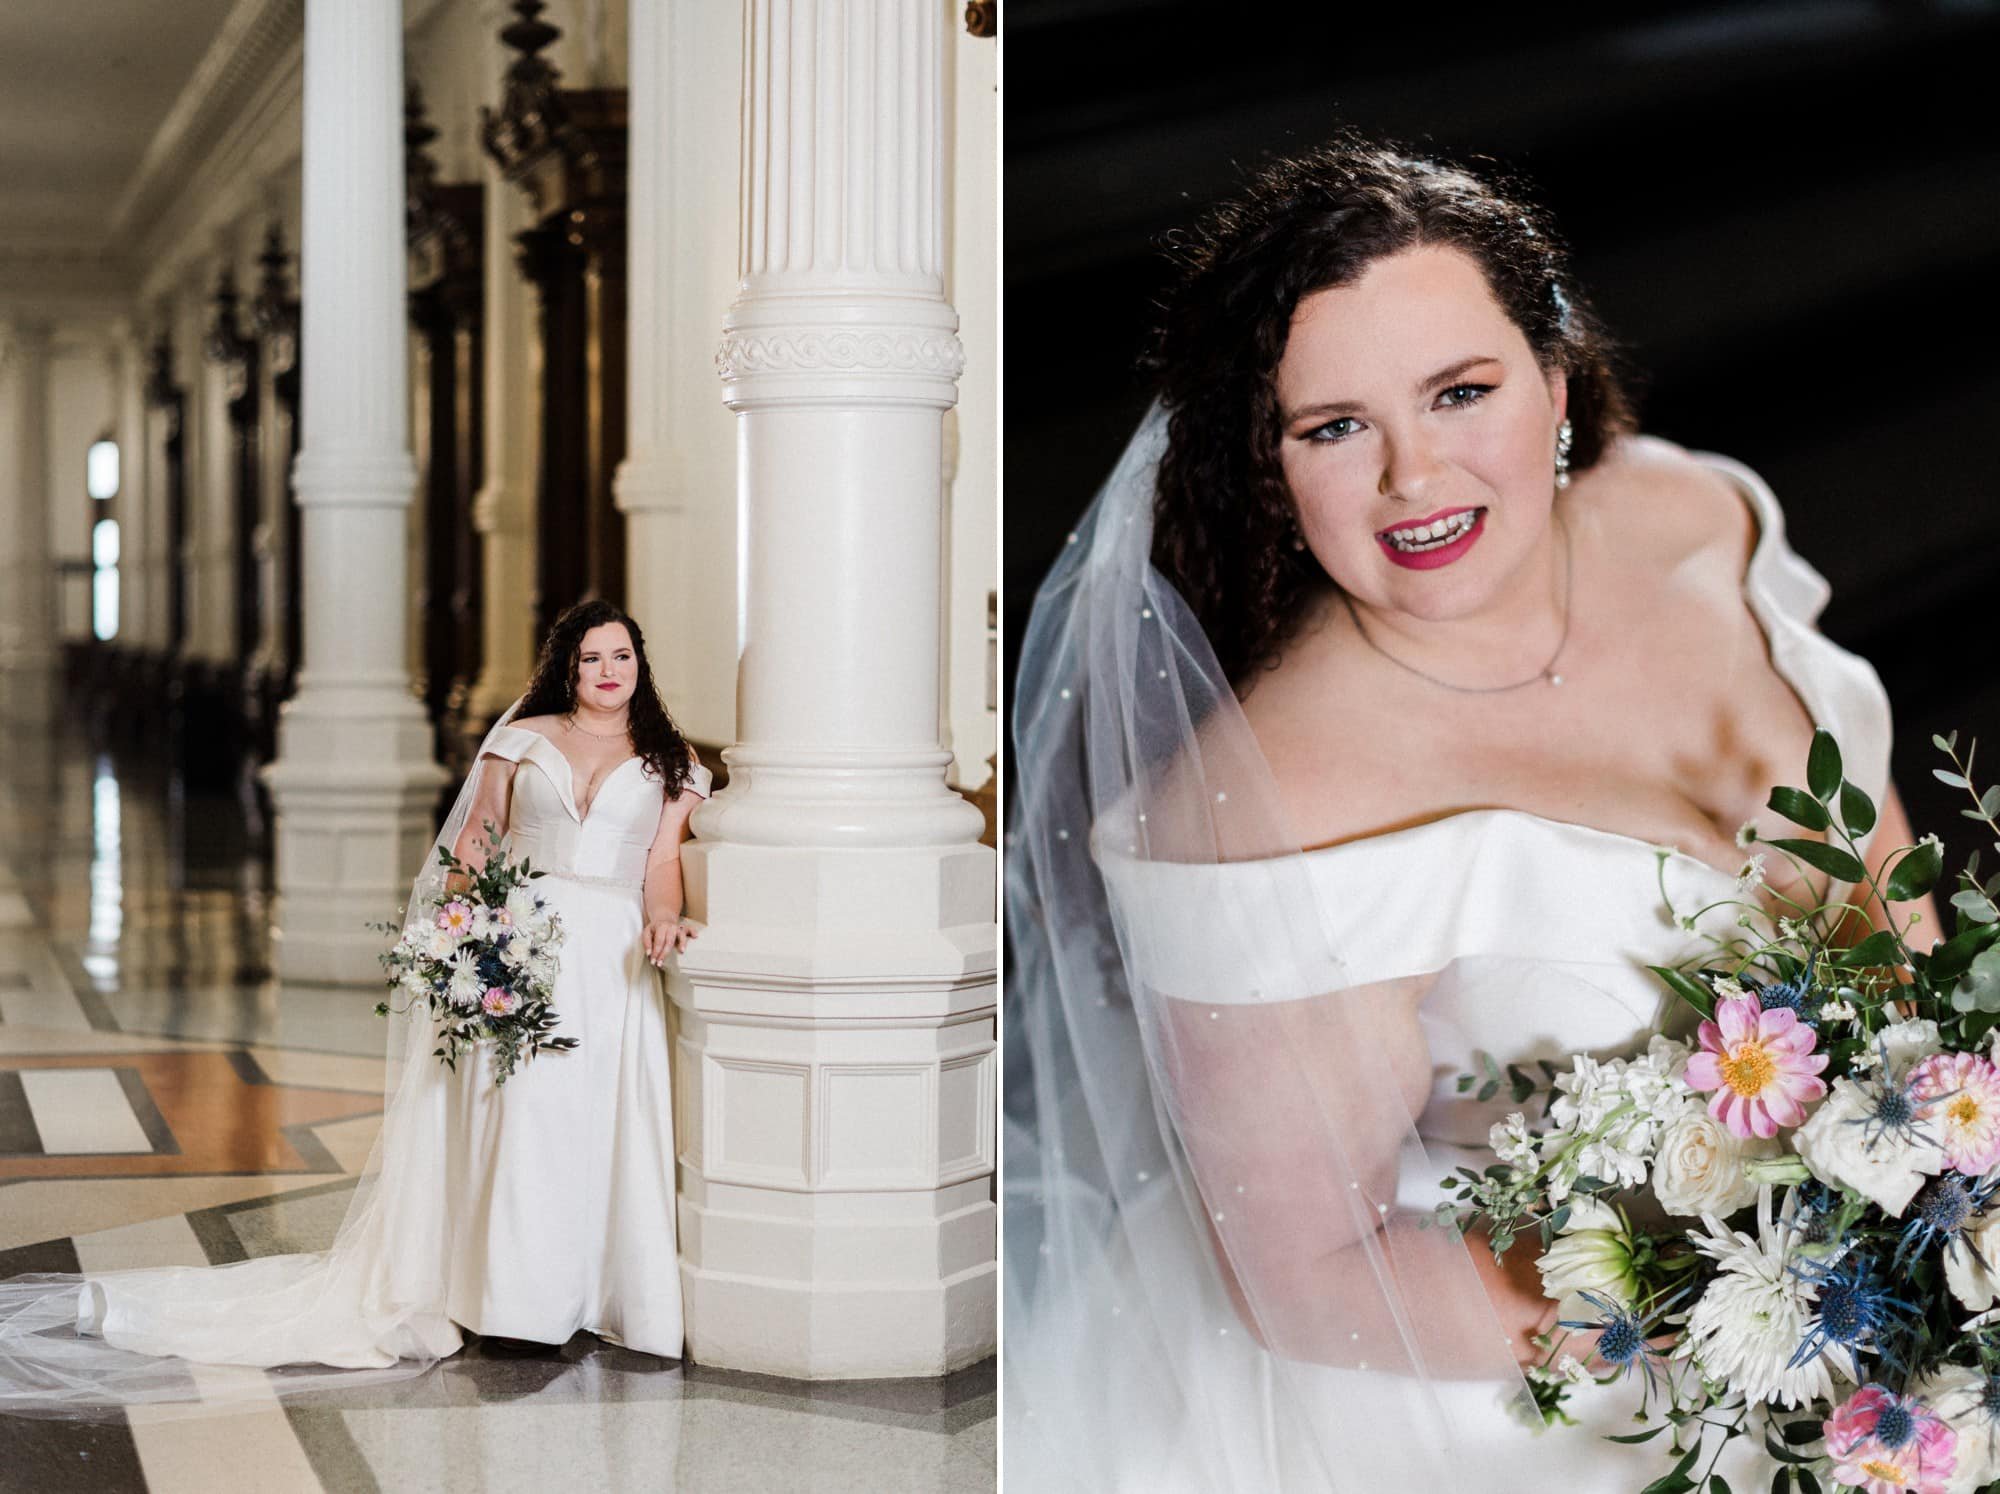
x: 496, y: 786
x: 1294, y: 1117
x: 664, y: 930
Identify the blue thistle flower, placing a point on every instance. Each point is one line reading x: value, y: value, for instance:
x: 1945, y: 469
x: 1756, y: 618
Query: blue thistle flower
x: 1796, y: 996
x: 1856, y: 1309
x: 1939, y: 1214
x: 1623, y: 1334
x: 1894, y: 1108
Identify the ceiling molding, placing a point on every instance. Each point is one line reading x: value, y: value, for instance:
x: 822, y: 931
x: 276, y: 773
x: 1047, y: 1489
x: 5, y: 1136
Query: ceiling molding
x: 251, y: 44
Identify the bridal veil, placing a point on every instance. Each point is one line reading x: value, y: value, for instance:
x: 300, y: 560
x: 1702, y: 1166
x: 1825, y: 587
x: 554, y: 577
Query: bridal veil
x: 1210, y: 1283
x: 369, y: 1308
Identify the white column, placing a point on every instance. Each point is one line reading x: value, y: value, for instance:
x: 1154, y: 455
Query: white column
x: 27, y: 580
x: 503, y: 511
x: 677, y: 483
x: 836, y: 1017
x: 353, y: 783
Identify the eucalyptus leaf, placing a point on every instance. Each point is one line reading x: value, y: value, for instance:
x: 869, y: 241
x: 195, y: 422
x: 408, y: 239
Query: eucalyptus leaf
x: 1916, y: 873
x: 1829, y: 859
x: 1949, y: 779
x: 1944, y: 744
x: 1857, y: 810
x: 1980, y: 989
x: 1954, y: 957
x: 1976, y: 906
x: 1990, y: 801
x: 1799, y: 808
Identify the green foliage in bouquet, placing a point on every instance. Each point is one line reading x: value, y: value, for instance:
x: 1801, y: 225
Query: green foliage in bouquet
x: 484, y: 960
x: 1823, y: 1116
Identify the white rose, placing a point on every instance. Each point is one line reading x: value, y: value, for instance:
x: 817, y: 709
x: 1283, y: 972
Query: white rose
x: 1973, y: 1284
x: 1885, y: 1166
x: 1954, y: 1392
x: 440, y: 944
x: 1592, y: 1253
x: 1698, y: 1166
x: 1908, y: 1044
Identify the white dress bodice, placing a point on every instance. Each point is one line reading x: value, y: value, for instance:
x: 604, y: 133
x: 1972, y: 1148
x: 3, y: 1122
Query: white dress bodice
x: 607, y: 845
x: 1535, y: 936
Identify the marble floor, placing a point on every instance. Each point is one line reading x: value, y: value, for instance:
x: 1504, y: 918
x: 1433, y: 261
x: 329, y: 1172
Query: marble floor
x: 165, y: 1100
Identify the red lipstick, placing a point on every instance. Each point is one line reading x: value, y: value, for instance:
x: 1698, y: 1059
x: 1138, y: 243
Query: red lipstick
x: 1430, y: 560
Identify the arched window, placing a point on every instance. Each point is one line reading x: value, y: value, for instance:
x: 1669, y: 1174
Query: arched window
x: 100, y: 478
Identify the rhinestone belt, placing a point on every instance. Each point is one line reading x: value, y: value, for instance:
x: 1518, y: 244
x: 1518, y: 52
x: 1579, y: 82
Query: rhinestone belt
x: 619, y: 883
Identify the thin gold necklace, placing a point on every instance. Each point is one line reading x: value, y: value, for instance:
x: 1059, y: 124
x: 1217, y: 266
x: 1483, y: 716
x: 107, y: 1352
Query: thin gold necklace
x: 1546, y: 672
x: 604, y: 736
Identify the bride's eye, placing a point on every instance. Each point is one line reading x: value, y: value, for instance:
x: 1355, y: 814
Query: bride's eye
x: 1332, y: 431
x: 1460, y: 395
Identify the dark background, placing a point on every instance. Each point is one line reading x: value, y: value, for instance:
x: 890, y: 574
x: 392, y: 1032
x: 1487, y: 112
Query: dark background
x: 1788, y: 213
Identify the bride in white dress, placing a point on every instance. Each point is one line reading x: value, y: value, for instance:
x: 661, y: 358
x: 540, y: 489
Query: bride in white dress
x: 1387, y: 695
x: 525, y: 1212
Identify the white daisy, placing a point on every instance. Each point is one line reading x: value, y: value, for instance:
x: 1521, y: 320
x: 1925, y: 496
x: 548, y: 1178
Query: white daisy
x: 1752, y: 1318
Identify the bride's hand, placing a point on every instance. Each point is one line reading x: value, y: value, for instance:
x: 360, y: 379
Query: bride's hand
x: 665, y: 936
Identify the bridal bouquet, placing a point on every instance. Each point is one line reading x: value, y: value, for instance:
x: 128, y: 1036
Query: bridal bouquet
x: 485, y: 960
x: 1788, y: 1225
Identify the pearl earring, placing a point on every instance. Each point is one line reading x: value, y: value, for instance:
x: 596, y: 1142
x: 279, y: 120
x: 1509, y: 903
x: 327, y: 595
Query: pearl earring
x: 1564, y: 436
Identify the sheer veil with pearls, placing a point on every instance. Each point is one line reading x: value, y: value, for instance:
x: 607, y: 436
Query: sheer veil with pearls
x: 192, y: 1339
x: 1210, y: 1282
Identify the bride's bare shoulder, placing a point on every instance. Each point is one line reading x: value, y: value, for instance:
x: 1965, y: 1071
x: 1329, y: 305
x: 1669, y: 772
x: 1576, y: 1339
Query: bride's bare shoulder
x: 541, y: 726
x: 1670, y: 508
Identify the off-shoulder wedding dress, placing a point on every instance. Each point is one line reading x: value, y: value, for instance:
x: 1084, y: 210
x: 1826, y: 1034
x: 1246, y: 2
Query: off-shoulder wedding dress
x: 528, y: 1211
x: 1535, y: 935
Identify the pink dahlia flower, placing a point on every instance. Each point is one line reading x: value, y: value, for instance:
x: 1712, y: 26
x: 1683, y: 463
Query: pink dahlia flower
x: 1886, y: 1443
x: 498, y: 1001
x: 1962, y: 1091
x: 1761, y: 1066
x: 455, y: 916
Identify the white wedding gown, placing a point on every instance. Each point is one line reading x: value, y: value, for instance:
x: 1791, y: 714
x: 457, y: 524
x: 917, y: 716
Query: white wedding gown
x: 529, y: 1211
x: 1539, y: 932
x: 568, y: 1168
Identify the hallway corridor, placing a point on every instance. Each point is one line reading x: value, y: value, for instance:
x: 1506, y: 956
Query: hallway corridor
x: 165, y: 1099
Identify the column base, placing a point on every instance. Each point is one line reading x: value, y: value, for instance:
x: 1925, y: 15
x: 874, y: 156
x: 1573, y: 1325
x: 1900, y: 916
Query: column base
x: 826, y: 1305
x: 354, y: 790
x: 837, y: 1088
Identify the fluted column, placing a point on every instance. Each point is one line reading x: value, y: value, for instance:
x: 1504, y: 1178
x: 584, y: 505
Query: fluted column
x: 836, y: 1017
x: 354, y: 781
x: 27, y: 594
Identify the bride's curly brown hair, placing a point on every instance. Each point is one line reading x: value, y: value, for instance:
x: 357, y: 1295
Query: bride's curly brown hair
x: 1223, y: 513
x: 552, y: 691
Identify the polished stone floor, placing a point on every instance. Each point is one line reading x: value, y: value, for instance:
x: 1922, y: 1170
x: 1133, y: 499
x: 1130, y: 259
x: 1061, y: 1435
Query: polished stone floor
x: 165, y: 1100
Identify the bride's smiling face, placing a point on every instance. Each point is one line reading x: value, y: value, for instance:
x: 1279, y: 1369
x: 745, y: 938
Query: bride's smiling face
x: 607, y: 668
x: 1408, y: 398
